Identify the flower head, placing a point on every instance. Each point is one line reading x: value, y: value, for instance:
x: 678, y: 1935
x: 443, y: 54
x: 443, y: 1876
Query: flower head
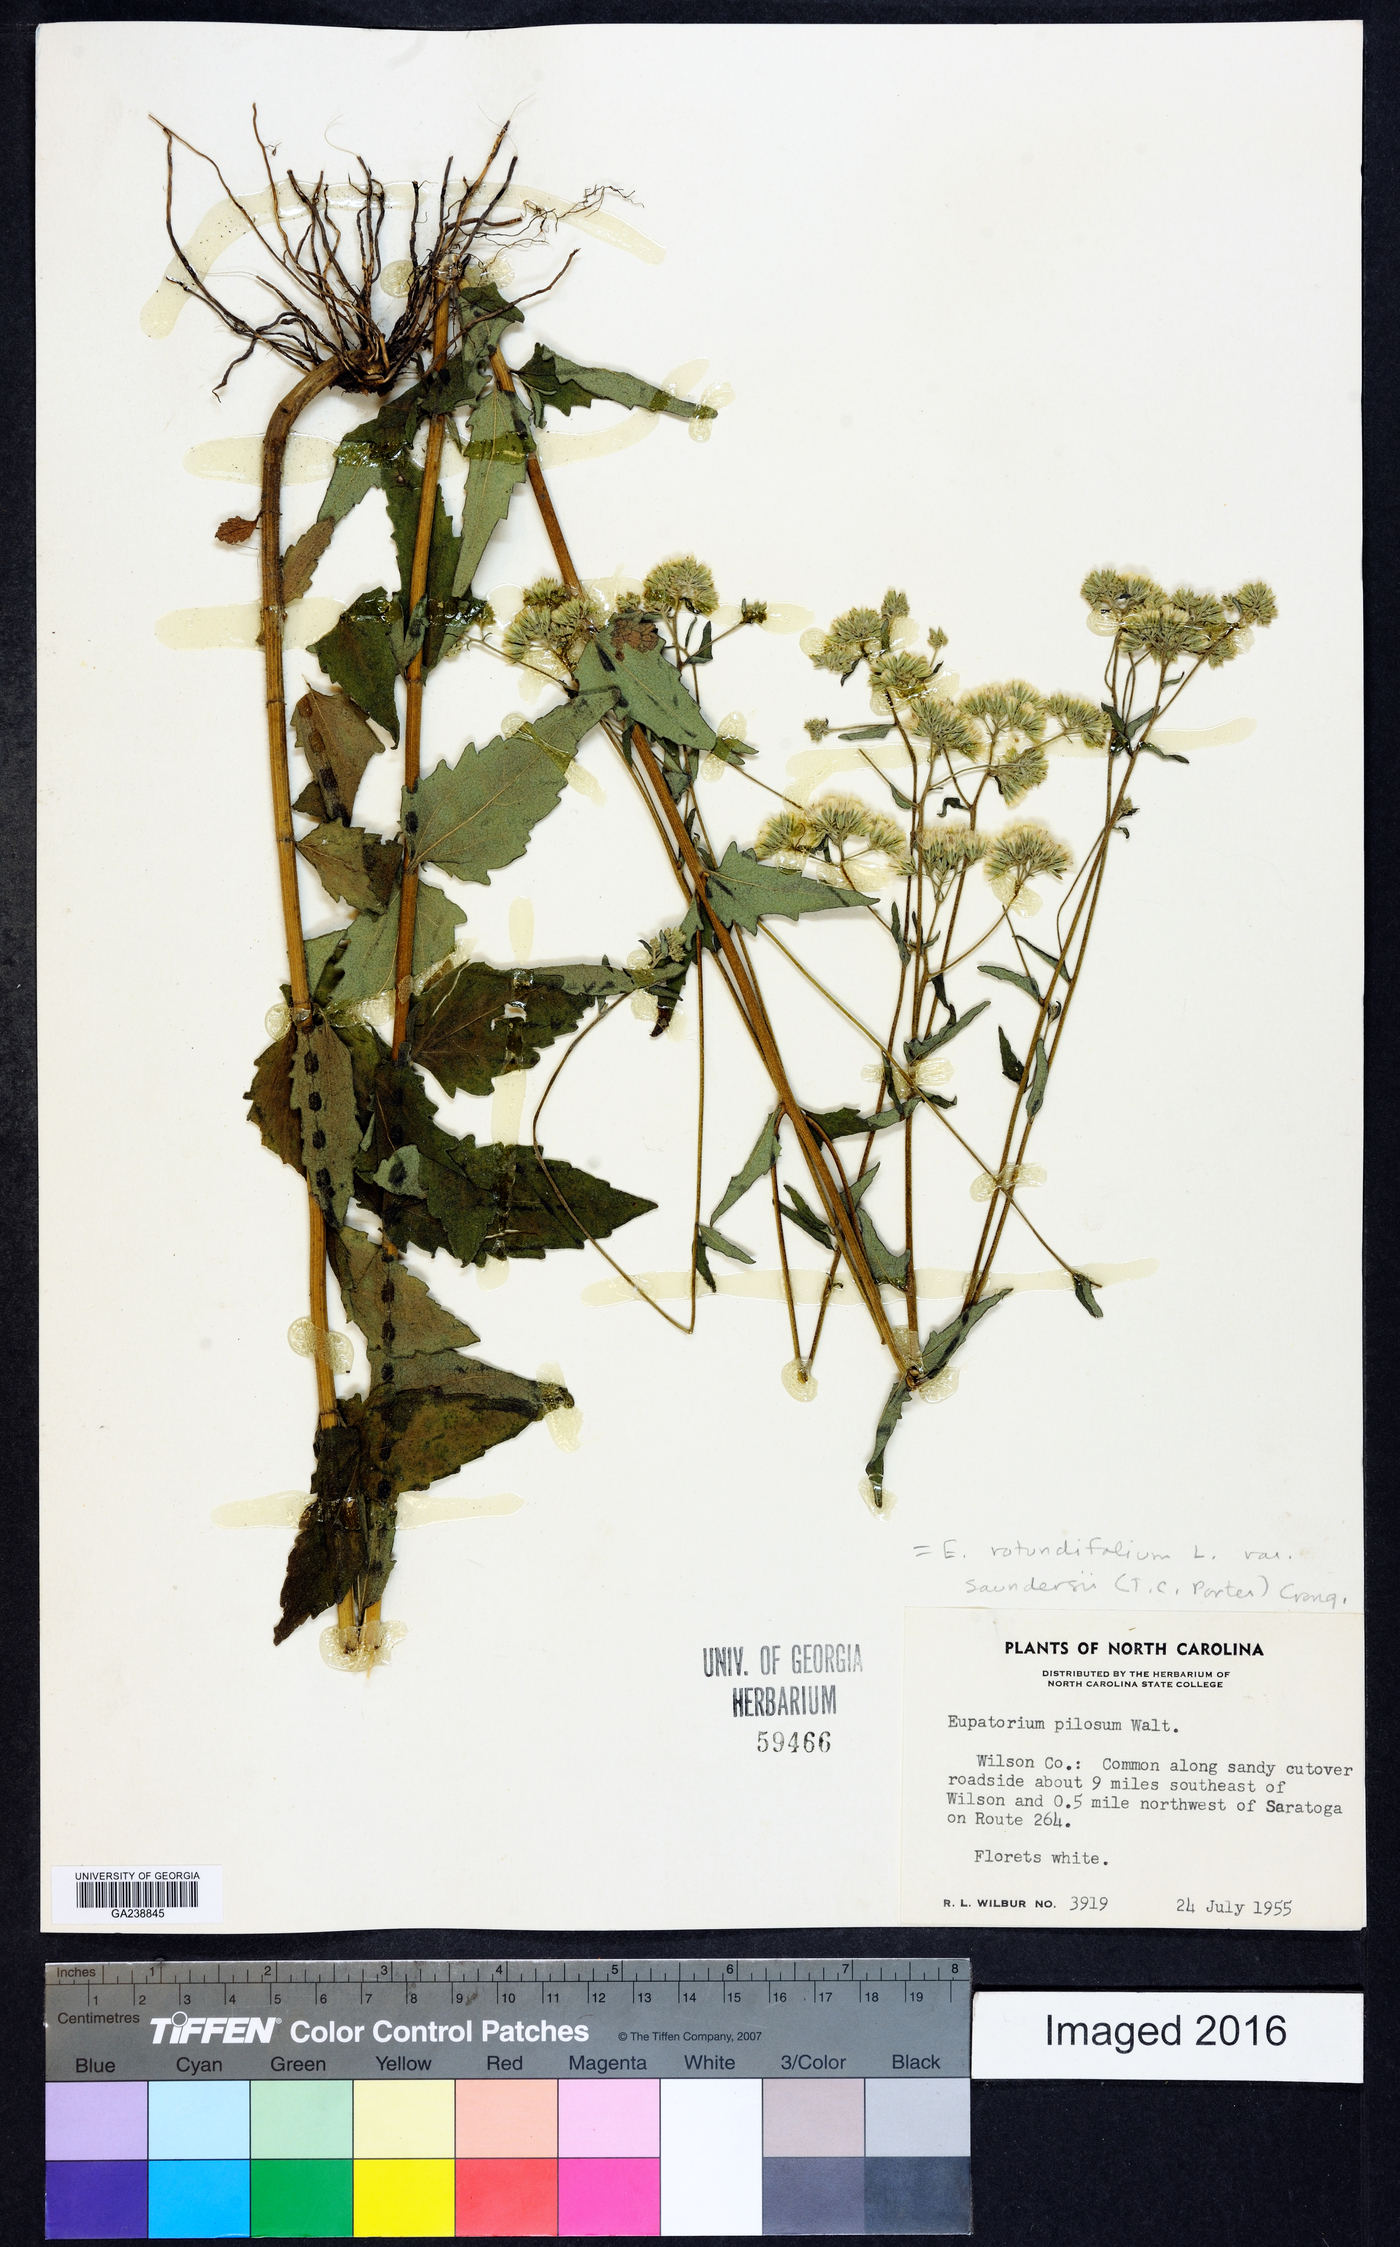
x: 898, y: 678
x: 948, y: 850
x: 1255, y: 603
x: 860, y: 632
x: 1017, y: 774
x: 1202, y: 608
x: 1084, y: 719
x: 1023, y: 849
x: 818, y: 728
x: 1164, y: 634
x: 681, y: 583
x: 1119, y: 592
x: 549, y: 628
x: 942, y: 725
x: 789, y: 832
x: 1012, y: 707
x: 839, y: 819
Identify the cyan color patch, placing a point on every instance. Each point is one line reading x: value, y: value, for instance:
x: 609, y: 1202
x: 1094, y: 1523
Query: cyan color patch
x: 199, y: 2199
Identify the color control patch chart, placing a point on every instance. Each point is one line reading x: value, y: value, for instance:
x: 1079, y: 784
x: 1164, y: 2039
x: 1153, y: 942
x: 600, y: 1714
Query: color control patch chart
x: 509, y: 2098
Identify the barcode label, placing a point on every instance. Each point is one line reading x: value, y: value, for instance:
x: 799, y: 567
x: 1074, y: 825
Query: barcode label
x: 123, y: 1893
x: 109, y: 1895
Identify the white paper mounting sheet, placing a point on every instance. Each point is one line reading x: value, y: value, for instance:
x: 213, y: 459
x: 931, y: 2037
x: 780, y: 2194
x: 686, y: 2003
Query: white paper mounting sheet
x: 995, y: 306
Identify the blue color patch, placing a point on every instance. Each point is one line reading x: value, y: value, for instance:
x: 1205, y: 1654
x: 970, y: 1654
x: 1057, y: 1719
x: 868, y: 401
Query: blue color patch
x: 95, y: 2200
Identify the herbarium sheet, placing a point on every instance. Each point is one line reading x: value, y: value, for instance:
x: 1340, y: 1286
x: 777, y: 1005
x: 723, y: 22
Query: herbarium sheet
x: 700, y: 975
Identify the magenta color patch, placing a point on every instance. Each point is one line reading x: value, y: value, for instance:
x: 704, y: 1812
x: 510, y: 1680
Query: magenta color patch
x: 609, y: 2120
x: 95, y: 2121
x: 609, y: 2199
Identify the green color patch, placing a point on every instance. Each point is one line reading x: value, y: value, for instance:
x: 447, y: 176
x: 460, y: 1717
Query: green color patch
x: 302, y: 2121
x: 303, y: 2199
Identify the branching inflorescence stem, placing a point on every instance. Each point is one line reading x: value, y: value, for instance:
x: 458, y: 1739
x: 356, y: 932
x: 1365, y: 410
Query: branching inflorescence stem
x: 693, y: 876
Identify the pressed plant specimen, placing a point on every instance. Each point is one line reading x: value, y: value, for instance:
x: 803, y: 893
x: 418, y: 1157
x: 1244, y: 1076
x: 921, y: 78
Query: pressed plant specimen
x: 922, y: 864
x: 962, y: 889
x: 334, y: 1099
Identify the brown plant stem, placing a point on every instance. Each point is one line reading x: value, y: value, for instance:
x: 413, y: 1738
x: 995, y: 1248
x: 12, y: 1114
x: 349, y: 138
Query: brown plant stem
x: 787, y: 1277
x: 991, y: 1235
x: 413, y: 713
x: 279, y: 429
x: 1054, y: 1046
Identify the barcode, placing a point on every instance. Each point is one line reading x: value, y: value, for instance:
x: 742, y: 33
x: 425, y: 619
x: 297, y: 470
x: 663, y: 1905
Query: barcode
x: 136, y: 1895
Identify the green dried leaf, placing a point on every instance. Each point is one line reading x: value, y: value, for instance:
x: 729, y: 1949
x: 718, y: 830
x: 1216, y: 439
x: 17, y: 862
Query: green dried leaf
x: 353, y: 865
x: 496, y: 457
x: 1040, y: 1071
x: 918, y: 1049
x: 393, y: 1309
x: 761, y: 1159
x: 555, y: 381
x: 897, y: 933
x: 476, y: 1023
x: 1051, y: 960
x: 299, y: 561
x: 806, y: 1219
x: 545, y: 1205
x: 1084, y: 1294
x: 847, y: 1123
x: 365, y: 451
x: 486, y: 315
x: 479, y: 814
x: 744, y: 887
x: 476, y: 1201
x: 358, y: 654
x: 349, y: 965
x: 401, y: 1173
x: 329, y: 1551
x: 890, y: 1269
x: 337, y: 742
x: 938, y: 1349
x: 406, y: 1435
x: 598, y: 980
x: 702, y: 1263
x: 323, y: 1092
x: 269, y: 1098
x: 431, y: 1431
x: 722, y: 1246
x: 1026, y: 983
x: 1010, y: 1066
x: 649, y: 688
x: 869, y: 733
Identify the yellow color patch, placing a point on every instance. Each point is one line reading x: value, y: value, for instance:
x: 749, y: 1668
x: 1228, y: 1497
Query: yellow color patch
x: 404, y: 2199
x: 404, y: 2121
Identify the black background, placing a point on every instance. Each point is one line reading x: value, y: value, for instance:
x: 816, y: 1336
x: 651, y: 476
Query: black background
x: 1054, y: 2165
